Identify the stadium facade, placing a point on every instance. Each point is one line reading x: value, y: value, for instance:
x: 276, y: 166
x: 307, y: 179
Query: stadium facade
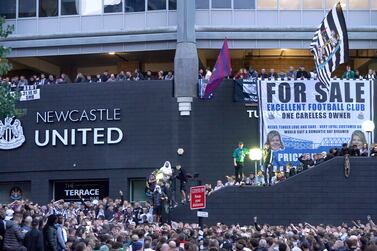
x: 68, y: 27
x: 71, y: 36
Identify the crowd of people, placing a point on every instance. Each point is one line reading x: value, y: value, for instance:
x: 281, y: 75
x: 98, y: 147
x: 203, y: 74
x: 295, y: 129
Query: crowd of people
x: 21, y: 82
x: 272, y: 172
x: 109, y: 224
x: 291, y: 73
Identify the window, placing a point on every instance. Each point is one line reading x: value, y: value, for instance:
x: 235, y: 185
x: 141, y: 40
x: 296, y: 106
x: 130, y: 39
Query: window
x: 70, y: 7
x: 156, y: 4
x: 112, y: 6
x: 48, y: 8
x: 331, y: 3
x: 22, y: 189
x: 290, y: 4
x: 358, y: 4
x: 202, y: 4
x: 313, y: 4
x: 91, y: 7
x: 8, y: 9
x: 137, y: 190
x: 134, y: 5
x: 244, y: 4
x: 374, y: 4
x: 267, y: 4
x: 221, y: 4
x: 27, y: 8
x: 172, y: 4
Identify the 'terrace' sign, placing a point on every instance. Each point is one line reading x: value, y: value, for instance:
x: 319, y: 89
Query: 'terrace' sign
x: 88, y: 190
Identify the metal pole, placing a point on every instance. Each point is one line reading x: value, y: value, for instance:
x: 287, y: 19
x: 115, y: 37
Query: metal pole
x: 370, y: 142
x: 200, y: 219
x: 255, y: 170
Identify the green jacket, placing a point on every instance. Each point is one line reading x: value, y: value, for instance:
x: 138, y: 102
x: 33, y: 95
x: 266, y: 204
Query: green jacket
x: 349, y: 74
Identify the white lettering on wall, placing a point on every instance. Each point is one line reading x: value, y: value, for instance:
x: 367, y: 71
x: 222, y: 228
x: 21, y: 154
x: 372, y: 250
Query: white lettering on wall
x: 109, y: 135
x: 97, y: 136
x: 83, y: 136
x: 47, y: 138
x: 82, y: 192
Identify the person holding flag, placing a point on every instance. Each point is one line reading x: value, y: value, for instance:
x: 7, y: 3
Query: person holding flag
x: 222, y: 69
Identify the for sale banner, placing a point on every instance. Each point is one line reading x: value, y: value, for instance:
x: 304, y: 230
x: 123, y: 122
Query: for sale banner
x: 305, y: 116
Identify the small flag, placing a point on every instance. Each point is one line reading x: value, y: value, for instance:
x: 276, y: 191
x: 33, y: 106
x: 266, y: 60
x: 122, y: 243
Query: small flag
x: 222, y: 69
x: 330, y: 44
x: 246, y: 90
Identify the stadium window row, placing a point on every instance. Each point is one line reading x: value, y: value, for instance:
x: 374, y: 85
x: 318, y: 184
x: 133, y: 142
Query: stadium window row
x: 285, y: 4
x: 51, y: 8
x: 48, y: 8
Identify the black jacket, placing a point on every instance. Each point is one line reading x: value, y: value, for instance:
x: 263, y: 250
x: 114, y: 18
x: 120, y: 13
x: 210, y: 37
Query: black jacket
x: 13, y: 236
x: 2, y: 233
x: 181, y: 175
x: 50, y: 239
x: 302, y: 74
x: 306, y: 162
x: 355, y: 152
x: 34, y: 240
x: 344, y: 151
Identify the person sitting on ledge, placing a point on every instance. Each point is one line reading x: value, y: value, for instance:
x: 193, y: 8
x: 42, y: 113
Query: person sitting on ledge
x: 373, y: 151
x: 355, y: 151
x: 306, y: 161
x: 345, y: 150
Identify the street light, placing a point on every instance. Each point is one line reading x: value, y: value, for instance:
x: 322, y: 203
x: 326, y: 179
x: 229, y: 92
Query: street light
x: 256, y: 155
x: 368, y: 126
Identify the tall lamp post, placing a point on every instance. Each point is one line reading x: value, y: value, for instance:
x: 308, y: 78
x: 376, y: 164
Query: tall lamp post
x: 368, y: 127
x: 256, y: 155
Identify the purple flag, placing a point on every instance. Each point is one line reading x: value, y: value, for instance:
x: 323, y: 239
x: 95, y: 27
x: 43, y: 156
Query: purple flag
x: 222, y: 69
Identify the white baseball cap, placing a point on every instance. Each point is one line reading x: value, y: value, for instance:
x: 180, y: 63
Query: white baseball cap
x: 9, y: 214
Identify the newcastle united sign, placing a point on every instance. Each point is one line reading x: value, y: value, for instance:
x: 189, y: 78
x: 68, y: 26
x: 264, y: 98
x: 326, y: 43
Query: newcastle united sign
x: 78, y: 136
x: 48, y: 129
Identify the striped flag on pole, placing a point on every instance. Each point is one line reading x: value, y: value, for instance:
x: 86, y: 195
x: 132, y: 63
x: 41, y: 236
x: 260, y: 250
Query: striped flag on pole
x: 222, y: 69
x: 330, y: 44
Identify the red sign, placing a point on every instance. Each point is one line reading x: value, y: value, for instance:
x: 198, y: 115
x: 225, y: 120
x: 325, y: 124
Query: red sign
x: 198, y: 197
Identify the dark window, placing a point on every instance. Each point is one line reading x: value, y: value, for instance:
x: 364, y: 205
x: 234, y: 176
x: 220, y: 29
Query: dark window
x: 27, y: 8
x: 111, y: 6
x: 202, y: 4
x: 134, y: 5
x: 244, y: 4
x: 8, y: 8
x: 156, y: 4
x: 222, y: 4
x: 70, y: 7
x: 137, y: 189
x: 172, y: 4
x: 48, y: 8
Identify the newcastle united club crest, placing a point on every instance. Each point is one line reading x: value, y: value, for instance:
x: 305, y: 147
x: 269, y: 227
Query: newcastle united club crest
x: 11, y: 134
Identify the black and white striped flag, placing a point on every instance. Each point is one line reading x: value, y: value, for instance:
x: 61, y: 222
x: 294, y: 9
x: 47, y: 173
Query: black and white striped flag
x: 330, y: 44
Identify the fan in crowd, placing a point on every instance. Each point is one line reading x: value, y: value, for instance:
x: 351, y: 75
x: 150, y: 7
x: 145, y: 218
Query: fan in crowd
x: 22, y: 82
x: 81, y: 228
